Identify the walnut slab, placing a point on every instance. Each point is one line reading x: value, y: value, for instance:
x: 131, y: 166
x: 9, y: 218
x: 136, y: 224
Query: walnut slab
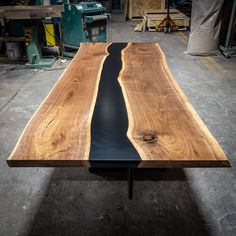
x: 58, y: 134
x: 163, y: 126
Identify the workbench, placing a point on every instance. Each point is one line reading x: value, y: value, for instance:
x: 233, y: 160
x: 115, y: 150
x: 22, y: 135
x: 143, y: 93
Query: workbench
x: 30, y: 12
x: 117, y: 105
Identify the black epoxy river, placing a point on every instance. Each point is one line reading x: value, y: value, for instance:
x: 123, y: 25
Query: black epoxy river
x: 109, y: 142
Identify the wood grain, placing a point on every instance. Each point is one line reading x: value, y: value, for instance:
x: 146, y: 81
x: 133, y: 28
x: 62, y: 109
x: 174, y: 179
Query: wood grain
x: 163, y: 126
x: 59, y: 132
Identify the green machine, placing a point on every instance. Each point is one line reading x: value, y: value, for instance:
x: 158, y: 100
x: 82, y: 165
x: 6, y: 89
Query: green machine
x: 83, y: 22
x: 34, y: 53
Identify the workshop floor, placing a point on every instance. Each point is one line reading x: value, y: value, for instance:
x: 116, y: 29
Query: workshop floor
x: 65, y: 201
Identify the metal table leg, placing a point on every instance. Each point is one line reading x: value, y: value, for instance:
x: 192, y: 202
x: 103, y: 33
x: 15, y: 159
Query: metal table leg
x: 130, y: 172
x: 130, y: 182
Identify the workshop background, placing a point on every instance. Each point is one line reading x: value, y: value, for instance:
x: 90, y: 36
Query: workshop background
x: 38, y: 39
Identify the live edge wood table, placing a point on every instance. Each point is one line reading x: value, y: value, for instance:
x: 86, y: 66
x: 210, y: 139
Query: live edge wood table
x: 117, y: 105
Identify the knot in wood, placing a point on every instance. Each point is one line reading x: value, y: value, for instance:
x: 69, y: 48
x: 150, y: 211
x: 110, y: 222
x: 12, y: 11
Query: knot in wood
x: 149, y: 138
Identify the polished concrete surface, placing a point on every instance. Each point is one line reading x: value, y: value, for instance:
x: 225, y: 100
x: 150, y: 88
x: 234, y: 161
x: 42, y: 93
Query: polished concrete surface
x: 72, y: 201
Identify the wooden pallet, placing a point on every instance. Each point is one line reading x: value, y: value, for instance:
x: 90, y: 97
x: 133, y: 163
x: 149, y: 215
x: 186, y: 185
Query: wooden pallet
x: 136, y: 8
x: 154, y: 18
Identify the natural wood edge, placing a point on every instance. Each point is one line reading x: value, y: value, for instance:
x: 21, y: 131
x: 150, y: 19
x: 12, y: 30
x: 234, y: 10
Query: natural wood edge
x: 24, y: 130
x: 11, y: 162
x: 128, y: 107
x: 176, y: 87
x: 191, y: 109
x: 144, y: 163
x: 88, y: 141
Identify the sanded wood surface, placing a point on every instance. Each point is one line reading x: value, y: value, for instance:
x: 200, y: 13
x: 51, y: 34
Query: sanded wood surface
x: 162, y: 126
x: 59, y: 132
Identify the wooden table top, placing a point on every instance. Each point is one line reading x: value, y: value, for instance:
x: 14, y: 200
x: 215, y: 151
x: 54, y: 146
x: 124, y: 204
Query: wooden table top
x: 117, y: 105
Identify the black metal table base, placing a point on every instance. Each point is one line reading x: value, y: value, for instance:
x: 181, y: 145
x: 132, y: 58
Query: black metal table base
x: 130, y: 182
x: 130, y: 175
x: 130, y: 172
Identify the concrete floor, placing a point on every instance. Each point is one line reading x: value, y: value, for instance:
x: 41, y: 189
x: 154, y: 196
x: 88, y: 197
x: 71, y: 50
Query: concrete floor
x: 63, y: 201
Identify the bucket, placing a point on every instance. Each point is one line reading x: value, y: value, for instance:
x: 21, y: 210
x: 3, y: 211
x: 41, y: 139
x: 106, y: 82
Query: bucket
x: 13, y: 50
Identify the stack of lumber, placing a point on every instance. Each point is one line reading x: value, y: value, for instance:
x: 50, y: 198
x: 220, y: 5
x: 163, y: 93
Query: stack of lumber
x: 30, y: 12
x: 138, y: 7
